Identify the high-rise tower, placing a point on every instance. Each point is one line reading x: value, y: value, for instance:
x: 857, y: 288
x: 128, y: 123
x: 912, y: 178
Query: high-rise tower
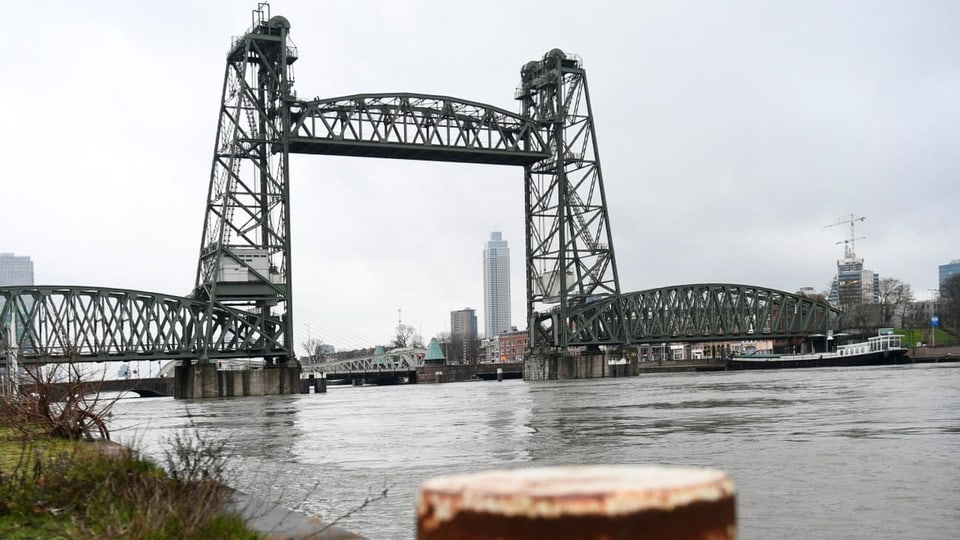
x: 947, y: 271
x: 496, y: 286
x: 15, y: 270
x: 853, y: 284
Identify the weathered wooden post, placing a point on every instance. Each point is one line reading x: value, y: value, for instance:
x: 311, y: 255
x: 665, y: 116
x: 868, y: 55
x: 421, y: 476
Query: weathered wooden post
x: 582, y: 502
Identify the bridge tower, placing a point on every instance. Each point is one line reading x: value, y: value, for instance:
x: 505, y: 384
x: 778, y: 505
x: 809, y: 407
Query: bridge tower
x: 244, y: 260
x: 570, y: 259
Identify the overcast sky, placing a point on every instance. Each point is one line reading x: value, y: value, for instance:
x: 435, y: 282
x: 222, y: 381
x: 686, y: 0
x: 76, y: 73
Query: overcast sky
x: 731, y: 134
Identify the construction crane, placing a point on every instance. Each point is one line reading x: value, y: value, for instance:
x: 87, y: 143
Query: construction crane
x: 848, y: 245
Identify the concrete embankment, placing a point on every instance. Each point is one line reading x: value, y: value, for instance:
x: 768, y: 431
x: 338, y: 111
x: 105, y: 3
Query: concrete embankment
x: 468, y: 372
x: 950, y: 353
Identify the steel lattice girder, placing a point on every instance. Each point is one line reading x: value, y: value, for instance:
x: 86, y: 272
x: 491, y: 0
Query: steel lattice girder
x: 718, y: 311
x: 570, y: 256
x: 415, y: 126
x: 397, y: 360
x: 244, y: 260
x: 96, y: 324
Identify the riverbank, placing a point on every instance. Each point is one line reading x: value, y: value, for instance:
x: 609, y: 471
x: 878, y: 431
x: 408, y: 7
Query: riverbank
x: 275, y: 522
x: 922, y: 355
x: 61, y: 488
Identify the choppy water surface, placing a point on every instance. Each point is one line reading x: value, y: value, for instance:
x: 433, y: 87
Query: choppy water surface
x: 825, y: 453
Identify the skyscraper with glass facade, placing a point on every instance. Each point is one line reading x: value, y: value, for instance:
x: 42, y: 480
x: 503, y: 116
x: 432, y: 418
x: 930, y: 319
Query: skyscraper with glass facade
x: 496, y: 286
x: 15, y: 270
x: 949, y: 270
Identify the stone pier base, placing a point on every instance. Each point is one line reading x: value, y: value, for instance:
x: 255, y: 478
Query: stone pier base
x: 198, y: 381
x: 558, y: 367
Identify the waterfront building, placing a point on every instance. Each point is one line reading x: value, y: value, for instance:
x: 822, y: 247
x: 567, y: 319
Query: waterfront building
x: 463, y: 324
x: 15, y: 270
x: 854, y: 284
x: 512, y: 345
x: 496, y: 286
x: 488, y: 352
x: 947, y: 271
x: 463, y: 336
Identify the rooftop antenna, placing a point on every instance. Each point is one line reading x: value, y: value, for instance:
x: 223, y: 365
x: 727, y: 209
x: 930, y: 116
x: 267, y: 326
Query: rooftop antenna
x: 848, y: 245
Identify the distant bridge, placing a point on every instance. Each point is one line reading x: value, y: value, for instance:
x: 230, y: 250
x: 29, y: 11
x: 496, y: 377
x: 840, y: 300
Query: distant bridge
x: 392, y: 365
x: 147, y: 387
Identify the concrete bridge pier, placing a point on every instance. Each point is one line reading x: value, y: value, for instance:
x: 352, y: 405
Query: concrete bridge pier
x: 204, y: 380
x: 562, y: 366
x: 558, y: 366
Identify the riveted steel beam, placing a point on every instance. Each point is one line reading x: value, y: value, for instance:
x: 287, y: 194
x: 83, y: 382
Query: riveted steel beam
x: 415, y: 126
x: 89, y: 324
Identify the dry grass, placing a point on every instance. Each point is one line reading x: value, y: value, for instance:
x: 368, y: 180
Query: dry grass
x: 61, y: 478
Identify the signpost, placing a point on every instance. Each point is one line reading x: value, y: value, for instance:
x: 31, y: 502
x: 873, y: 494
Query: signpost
x: 934, y: 323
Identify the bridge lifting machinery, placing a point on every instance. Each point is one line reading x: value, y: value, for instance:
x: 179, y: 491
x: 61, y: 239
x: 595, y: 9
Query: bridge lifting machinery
x: 242, y: 300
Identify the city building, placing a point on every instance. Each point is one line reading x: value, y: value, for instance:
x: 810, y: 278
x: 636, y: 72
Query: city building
x: 947, y: 271
x: 15, y: 270
x: 853, y: 284
x: 463, y: 324
x: 512, y: 345
x: 496, y: 286
x: 463, y: 336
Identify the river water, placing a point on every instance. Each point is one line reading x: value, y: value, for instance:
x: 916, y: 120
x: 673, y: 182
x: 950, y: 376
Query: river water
x: 870, y: 452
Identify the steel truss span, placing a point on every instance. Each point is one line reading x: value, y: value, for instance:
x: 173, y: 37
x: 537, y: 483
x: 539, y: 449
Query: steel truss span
x: 95, y: 325
x: 397, y: 360
x: 698, y: 312
x: 415, y: 126
x: 242, y: 300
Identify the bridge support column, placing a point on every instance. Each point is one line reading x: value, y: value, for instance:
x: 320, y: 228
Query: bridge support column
x: 203, y: 380
x: 557, y: 366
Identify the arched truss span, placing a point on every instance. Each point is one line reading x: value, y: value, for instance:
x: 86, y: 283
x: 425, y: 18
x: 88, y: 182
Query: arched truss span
x: 397, y: 360
x: 415, y: 126
x: 697, y: 312
x: 90, y: 324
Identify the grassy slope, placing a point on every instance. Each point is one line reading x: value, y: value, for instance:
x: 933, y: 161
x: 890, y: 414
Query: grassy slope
x: 51, y: 488
x: 912, y: 335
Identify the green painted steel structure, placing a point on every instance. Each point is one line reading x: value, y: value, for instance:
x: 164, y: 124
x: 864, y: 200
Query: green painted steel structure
x: 696, y: 312
x: 241, y: 304
x: 245, y: 250
x: 91, y: 324
x: 95, y: 324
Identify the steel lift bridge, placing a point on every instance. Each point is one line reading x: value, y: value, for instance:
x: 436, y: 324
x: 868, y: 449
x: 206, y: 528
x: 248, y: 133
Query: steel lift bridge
x: 242, y: 301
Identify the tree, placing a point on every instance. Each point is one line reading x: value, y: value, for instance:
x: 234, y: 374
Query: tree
x: 949, y: 308
x: 406, y: 336
x: 314, y: 347
x: 916, y: 316
x: 860, y: 319
x: 895, y: 297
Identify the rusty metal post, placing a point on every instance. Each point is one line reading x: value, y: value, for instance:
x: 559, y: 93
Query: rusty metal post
x: 583, y: 502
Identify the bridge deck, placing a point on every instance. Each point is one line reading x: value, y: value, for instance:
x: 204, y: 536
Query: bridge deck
x: 306, y: 145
